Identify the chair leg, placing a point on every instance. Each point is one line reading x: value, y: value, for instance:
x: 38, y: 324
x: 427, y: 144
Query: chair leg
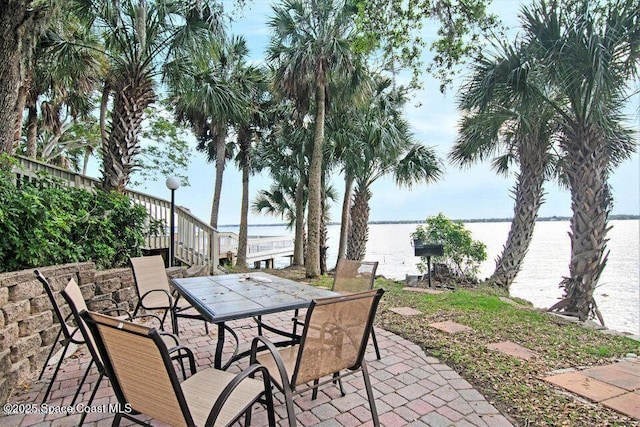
x: 375, y: 343
x: 84, y: 378
x: 247, y: 416
x: 291, y: 411
x: 55, y: 373
x: 174, y: 323
x: 372, y: 402
x: 339, y: 382
x: 116, y: 420
x: 314, y: 390
x: 93, y: 394
x: 53, y: 347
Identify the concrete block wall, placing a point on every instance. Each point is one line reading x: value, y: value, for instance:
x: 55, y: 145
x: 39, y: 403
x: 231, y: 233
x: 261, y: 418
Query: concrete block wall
x: 28, y: 325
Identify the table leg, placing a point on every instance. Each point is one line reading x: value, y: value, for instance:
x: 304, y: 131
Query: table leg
x: 217, y: 360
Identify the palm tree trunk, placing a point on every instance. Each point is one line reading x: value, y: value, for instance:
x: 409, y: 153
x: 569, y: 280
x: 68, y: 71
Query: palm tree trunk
x: 19, y: 111
x: 359, y: 229
x: 85, y: 161
x: 312, y: 260
x: 344, y: 222
x: 32, y: 132
x: 323, y: 236
x: 298, y: 248
x: 220, y: 137
x: 133, y: 93
x: 529, y: 196
x: 245, y: 147
x: 104, y: 105
x: 587, y: 172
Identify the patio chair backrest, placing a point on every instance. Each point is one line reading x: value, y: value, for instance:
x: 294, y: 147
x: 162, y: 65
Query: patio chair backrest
x: 354, y: 276
x: 67, y: 330
x: 139, y: 364
x: 73, y: 296
x: 335, y: 335
x: 149, y: 274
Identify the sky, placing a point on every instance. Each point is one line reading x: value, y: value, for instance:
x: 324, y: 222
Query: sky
x: 470, y: 193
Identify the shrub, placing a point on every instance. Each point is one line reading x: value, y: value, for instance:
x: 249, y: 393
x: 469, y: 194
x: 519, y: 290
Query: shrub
x: 45, y: 223
x: 462, y: 254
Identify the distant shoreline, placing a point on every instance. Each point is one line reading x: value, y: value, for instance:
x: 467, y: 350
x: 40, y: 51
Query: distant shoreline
x: 541, y: 219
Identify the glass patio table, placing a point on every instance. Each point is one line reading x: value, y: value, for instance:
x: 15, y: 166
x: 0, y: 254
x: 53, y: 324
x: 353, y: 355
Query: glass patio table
x: 227, y: 297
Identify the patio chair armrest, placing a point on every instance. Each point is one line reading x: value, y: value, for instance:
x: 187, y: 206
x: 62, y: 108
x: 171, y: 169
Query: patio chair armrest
x: 274, y: 353
x: 234, y: 383
x: 179, y: 351
x: 169, y: 297
x: 117, y: 310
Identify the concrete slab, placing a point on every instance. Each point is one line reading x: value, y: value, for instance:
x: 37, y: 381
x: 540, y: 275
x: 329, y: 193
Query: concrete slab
x: 450, y: 327
x: 512, y: 349
x: 406, y: 311
x: 628, y: 404
x: 617, y: 375
x: 590, y: 388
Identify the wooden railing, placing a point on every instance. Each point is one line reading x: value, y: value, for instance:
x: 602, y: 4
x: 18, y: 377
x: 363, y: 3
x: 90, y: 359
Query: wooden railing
x: 196, y: 242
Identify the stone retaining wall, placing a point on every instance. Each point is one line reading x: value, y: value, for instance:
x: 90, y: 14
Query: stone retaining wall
x: 28, y: 325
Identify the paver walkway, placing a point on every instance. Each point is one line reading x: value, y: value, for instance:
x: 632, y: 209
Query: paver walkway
x: 410, y: 388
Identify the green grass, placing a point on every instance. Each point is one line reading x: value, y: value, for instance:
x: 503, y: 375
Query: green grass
x: 514, y: 386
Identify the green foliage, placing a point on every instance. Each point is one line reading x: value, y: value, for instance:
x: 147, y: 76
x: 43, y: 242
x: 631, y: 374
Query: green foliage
x: 44, y: 223
x: 164, y: 151
x: 462, y: 254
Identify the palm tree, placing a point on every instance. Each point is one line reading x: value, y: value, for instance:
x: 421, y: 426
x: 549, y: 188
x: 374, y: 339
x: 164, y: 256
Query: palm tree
x: 211, y: 90
x: 587, y: 53
x: 383, y: 145
x: 500, y: 121
x: 139, y: 38
x: 286, y: 155
x: 311, y: 41
x: 68, y: 68
x: 22, y: 22
x: 249, y: 132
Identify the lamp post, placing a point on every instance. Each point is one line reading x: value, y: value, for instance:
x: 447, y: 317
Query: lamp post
x: 172, y: 184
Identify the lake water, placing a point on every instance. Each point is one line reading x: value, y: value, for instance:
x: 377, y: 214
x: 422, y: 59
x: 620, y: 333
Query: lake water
x: 617, y: 296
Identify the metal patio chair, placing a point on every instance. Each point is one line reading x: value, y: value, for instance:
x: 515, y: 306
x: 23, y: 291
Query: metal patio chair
x: 356, y: 276
x: 73, y: 296
x: 334, y: 339
x: 144, y: 380
x: 154, y: 292
x: 351, y: 276
x: 69, y: 332
x: 70, y: 335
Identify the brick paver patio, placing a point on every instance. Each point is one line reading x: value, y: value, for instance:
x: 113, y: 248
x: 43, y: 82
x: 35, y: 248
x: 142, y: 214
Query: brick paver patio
x: 410, y: 388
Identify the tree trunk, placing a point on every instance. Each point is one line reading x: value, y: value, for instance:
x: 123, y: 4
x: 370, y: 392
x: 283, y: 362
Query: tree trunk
x: 104, y: 105
x: 298, y: 248
x: 529, y: 196
x: 13, y: 24
x: 220, y: 135
x: 312, y: 260
x: 245, y: 152
x: 132, y: 95
x: 323, y: 234
x: 344, y: 222
x: 32, y: 132
x: 19, y: 111
x: 359, y: 228
x: 586, y: 168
